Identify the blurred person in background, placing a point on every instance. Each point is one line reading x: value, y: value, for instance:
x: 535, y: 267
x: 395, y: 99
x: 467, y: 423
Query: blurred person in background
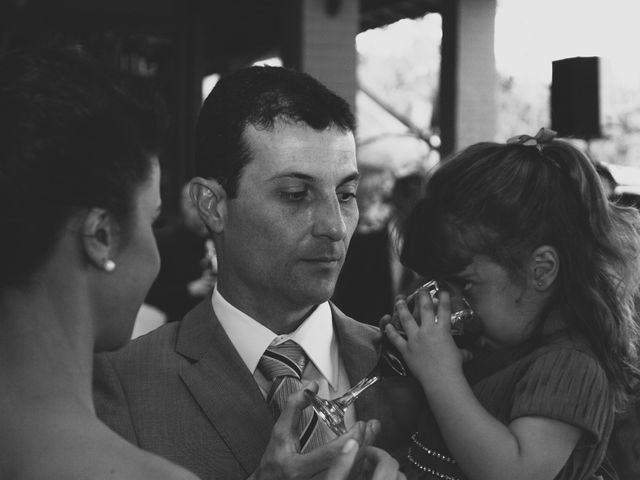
x: 364, y: 289
x: 407, y: 191
x: 189, y: 263
x: 372, y: 274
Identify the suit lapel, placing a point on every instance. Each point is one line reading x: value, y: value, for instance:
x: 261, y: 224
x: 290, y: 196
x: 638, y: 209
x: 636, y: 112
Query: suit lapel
x: 223, y: 386
x: 229, y: 396
x: 358, y: 345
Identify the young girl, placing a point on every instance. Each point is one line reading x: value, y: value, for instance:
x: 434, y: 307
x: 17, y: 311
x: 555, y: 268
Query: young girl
x: 551, y: 269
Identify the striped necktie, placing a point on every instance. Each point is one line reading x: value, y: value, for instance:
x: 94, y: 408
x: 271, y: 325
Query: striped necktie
x: 283, y: 365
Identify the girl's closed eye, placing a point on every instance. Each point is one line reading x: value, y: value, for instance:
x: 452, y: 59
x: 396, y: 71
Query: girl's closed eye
x: 461, y: 284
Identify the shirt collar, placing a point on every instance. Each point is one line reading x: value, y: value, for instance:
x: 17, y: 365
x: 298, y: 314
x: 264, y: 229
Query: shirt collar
x: 250, y: 338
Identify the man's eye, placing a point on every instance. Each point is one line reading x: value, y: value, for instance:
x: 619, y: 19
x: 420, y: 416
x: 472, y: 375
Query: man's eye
x: 294, y: 196
x: 346, y: 196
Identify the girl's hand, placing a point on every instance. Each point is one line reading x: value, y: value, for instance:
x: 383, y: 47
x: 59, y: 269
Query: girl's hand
x: 428, y: 349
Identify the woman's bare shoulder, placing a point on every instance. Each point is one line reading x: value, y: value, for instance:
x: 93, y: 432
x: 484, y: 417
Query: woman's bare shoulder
x: 78, y: 452
x: 140, y: 465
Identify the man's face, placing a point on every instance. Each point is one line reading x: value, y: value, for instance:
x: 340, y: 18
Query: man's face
x: 287, y: 231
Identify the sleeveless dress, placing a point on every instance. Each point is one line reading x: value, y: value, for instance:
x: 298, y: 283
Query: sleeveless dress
x: 558, y: 377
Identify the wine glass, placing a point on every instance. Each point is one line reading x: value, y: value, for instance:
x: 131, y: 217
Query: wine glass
x: 390, y: 363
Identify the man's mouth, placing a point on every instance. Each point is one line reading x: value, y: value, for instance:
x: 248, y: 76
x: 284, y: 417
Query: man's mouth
x: 324, y: 259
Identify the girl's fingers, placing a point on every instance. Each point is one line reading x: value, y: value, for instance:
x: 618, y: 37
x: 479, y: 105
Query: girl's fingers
x: 407, y: 321
x: 443, y: 317
x: 394, y: 337
x: 426, y: 309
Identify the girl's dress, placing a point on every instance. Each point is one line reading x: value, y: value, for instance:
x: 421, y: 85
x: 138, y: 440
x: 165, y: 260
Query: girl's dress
x: 558, y: 377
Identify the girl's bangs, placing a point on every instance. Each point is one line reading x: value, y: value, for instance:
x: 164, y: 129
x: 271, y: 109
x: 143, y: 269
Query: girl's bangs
x: 434, y: 244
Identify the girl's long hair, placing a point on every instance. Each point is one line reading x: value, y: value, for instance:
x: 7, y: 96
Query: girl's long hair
x: 503, y: 201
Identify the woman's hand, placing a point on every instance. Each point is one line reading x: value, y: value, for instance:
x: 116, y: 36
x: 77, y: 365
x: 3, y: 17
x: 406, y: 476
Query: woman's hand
x: 376, y: 464
x: 429, y: 349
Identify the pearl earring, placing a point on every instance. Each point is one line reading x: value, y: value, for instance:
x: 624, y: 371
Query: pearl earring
x: 109, y: 265
x: 540, y: 282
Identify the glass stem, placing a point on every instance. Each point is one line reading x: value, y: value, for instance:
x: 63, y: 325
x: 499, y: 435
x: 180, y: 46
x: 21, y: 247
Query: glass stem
x: 349, y: 397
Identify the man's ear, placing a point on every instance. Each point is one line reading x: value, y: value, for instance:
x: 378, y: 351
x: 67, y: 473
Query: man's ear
x: 545, y: 266
x: 99, y: 238
x: 210, y: 199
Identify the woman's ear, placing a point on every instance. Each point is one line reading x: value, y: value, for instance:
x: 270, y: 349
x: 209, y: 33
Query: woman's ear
x: 210, y: 199
x: 98, y: 238
x: 545, y: 266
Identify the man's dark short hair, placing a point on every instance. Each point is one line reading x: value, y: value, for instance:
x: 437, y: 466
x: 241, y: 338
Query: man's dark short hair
x: 259, y: 96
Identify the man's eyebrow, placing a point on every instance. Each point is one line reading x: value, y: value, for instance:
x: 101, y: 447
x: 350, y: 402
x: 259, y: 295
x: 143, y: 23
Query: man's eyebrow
x: 355, y: 176
x: 297, y: 175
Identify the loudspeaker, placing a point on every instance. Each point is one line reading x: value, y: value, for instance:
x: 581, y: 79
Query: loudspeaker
x: 575, y: 97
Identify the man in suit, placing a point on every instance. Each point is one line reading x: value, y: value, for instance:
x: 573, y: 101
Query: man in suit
x: 275, y: 154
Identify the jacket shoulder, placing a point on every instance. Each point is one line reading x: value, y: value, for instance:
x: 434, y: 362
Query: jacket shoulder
x: 340, y: 316
x: 161, y: 340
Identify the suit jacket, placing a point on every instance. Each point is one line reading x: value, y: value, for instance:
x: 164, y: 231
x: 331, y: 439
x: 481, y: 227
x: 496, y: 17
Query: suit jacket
x: 183, y: 392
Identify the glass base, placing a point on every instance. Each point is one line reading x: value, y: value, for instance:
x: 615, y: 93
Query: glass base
x: 330, y: 411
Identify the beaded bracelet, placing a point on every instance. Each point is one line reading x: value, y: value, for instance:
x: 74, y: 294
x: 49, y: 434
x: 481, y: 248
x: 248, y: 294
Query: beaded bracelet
x: 439, y: 456
x: 416, y: 463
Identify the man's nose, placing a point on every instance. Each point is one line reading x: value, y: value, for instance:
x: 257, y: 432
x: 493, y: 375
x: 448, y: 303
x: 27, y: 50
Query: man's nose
x: 329, y: 219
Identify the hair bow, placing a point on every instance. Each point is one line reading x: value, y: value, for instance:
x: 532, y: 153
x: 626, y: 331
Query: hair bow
x: 543, y: 137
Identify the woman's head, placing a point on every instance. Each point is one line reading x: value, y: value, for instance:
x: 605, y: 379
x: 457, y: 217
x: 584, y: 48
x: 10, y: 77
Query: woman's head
x: 70, y: 140
x: 504, y: 201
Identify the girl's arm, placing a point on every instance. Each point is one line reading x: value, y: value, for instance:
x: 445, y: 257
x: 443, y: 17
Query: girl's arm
x: 485, y: 448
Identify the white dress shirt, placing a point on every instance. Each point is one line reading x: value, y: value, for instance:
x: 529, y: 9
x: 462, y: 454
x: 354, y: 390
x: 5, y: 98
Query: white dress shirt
x: 315, y: 335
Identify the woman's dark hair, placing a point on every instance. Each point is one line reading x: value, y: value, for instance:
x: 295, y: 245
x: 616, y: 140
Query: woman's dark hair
x: 503, y: 201
x: 259, y: 96
x: 69, y: 139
